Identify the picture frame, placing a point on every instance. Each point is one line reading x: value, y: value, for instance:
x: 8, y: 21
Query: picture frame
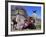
x: 8, y: 16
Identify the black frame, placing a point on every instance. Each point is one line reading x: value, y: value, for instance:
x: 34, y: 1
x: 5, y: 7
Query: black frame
x: 6, y: 18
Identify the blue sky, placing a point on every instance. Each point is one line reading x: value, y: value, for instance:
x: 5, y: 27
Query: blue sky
x: 30, y: 9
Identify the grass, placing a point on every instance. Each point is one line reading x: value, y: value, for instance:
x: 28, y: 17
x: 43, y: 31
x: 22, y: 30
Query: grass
x: 38, y: 26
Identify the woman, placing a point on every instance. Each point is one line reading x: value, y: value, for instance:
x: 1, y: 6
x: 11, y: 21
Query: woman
x: 29, y: 23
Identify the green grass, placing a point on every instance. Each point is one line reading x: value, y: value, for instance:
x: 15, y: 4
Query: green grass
x: 38, y: 26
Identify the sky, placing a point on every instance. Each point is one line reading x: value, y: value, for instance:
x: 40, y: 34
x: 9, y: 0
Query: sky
x: 30, y: 9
